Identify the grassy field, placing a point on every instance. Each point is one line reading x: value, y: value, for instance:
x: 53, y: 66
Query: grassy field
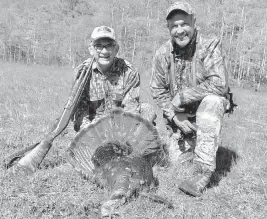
x: 32, y: 96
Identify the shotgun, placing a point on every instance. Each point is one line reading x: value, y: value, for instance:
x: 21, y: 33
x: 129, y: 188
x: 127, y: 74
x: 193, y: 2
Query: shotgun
x: 30, y: 158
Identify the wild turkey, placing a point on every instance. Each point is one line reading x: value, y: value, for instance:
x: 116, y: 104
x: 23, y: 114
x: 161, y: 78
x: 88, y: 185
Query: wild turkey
x: 118, y: 153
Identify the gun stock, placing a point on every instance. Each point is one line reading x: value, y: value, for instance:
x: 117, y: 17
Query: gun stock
x: 30, y: 158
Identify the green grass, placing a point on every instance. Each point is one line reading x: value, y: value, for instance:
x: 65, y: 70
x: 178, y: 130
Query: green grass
x: 33, y: 96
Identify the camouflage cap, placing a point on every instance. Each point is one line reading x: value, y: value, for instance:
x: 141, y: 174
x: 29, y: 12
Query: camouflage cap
x: 183, y: 6
x: 103, y: 32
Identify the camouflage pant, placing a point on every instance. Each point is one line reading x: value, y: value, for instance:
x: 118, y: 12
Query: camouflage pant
x: 146, y: 110
x: 209, y: 116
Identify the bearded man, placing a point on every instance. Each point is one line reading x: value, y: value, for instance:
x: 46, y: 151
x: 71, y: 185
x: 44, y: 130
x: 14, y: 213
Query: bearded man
x: 189, y: 83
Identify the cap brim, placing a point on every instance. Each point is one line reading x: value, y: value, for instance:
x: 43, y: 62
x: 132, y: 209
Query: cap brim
x: 103, y: 37
x: 177, y: 9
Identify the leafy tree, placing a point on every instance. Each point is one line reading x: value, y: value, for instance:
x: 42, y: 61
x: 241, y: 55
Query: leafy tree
x: 57, y: 31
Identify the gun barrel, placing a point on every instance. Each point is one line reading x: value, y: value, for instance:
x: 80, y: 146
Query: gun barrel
x: 74, y: 99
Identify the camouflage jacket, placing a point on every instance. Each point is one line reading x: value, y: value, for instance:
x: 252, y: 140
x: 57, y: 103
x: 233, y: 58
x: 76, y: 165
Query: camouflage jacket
x: 188, y: 88
x: 118, y: 88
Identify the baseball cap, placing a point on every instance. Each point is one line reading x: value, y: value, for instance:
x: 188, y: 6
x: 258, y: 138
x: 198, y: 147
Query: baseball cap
x: 103, y: 32
x: 183, y: 6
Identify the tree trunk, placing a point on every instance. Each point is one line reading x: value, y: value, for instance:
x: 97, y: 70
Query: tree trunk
x: 133, y: 54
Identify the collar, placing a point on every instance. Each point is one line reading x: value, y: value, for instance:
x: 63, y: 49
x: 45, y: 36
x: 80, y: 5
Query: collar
x: 94, y: 66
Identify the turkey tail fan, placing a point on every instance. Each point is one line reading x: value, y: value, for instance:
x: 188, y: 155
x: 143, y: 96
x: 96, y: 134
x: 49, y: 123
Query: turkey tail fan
x: 117, y: 134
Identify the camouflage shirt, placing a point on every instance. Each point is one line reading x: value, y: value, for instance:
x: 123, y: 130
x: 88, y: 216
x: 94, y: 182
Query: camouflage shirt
x: 183, y: 88
x: 117, y: 88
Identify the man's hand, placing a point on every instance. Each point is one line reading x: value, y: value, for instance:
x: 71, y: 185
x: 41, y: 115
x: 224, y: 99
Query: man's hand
x: 183, y: 124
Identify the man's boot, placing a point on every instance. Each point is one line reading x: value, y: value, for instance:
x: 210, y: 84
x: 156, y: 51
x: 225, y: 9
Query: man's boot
x: 197, y: 184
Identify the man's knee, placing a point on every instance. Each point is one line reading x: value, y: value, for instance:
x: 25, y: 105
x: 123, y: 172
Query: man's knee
x: 213, y: 104
x: 209, y: 116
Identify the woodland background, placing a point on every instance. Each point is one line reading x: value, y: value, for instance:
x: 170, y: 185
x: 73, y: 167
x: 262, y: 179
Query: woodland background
x: 40, y: 42
x: 56, y: 32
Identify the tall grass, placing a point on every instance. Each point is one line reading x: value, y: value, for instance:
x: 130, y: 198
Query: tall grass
x: 31, y: 97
